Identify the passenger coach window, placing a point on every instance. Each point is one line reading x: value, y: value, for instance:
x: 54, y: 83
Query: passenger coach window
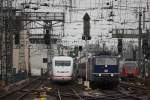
x: 62, y: 63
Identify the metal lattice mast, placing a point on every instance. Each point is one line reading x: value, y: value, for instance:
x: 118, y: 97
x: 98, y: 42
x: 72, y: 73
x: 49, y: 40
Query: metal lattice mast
x: 48, y: 32
x: 1, y: 37
x: 22, y: 64
x: 7, y: 38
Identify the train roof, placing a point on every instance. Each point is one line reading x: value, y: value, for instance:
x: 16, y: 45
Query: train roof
x: 62, y: 58
x: 130, y: 62
x: 105, y: 56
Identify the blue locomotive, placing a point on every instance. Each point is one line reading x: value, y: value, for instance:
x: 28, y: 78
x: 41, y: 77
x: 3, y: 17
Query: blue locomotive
x: 103, y: 71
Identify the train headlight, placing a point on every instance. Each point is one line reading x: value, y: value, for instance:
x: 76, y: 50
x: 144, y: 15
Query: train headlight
x: 100, y: 75
x: 111, y: 75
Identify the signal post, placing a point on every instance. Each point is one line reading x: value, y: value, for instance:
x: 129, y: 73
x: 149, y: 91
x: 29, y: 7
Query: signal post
x: 86, y: 36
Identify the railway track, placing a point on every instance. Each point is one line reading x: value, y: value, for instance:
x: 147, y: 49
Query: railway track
x: 134, y: 86
x: 22, y: 92
x: 70, y: 94
x: 66, y: 92
x: 111, y: 95
x: 122, y: 92
x: 135, y: 90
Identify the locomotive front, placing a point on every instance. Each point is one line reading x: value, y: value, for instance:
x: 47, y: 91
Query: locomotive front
x: 105, y: 71
x: 62, y: 68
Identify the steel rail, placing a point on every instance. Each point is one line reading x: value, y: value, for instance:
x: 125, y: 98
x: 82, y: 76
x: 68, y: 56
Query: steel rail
x: 29, y: 91
x: 77, y: 94
x: 62, y: 94
x: 59, y: 96
x: 7, y: 95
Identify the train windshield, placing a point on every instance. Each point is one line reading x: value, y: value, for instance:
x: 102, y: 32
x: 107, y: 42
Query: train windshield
x: 106, y: 61
x: 130, y: 66
x: 62, y: 63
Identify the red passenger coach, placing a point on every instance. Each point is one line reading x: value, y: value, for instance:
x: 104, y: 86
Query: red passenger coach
x: 130, y: 70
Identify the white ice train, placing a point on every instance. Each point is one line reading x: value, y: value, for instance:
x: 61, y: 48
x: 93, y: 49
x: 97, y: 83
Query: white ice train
x: 62, y: 68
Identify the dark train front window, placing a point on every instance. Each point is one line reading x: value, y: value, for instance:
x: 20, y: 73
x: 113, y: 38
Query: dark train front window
x: 130, y: 66
x: 62, y: 63
x: 106, y: 61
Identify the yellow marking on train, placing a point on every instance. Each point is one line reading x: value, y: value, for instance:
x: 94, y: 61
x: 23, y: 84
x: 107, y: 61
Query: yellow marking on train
x: 42, y: 98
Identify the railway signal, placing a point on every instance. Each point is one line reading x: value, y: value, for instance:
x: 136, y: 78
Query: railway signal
x: 76, y: 49
x: 47, y: 37
x: 80, y: 48
x: 17, y: 38
x: 86, y: 36
x: 145, y: 48
x: 86, y: 27
x: 145, y: 45
x: 119, y: 46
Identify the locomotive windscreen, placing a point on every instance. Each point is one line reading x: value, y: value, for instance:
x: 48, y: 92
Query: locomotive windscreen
x: 106, y: 61
x: 62, y: 63
x: 130, y: 66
